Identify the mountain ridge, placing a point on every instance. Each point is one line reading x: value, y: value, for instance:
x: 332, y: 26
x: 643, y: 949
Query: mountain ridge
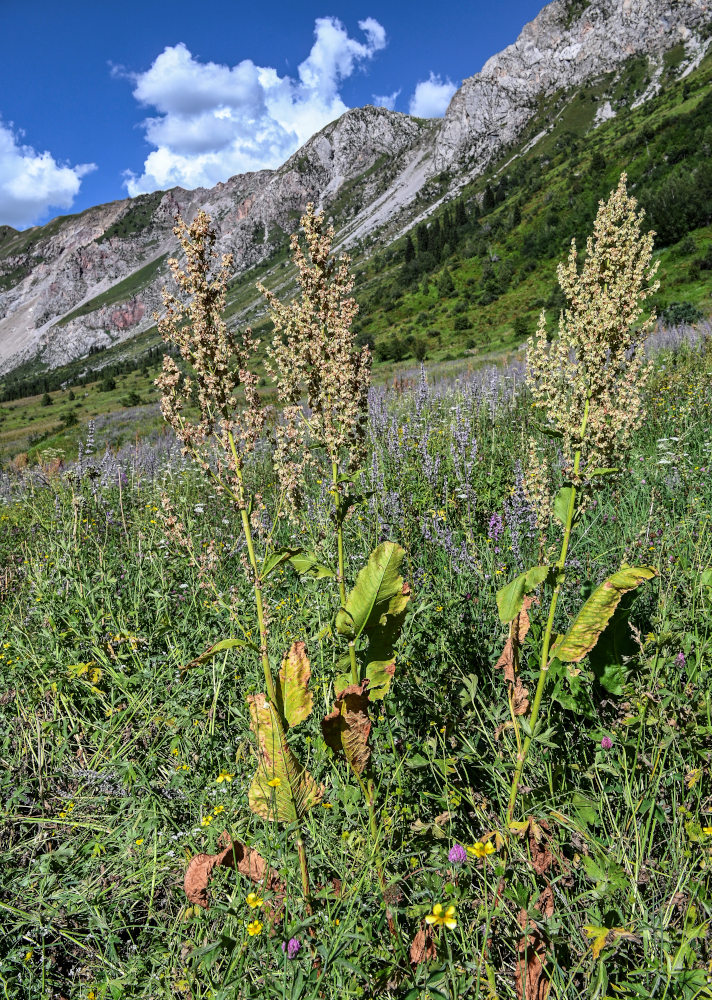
x: 377, y: 172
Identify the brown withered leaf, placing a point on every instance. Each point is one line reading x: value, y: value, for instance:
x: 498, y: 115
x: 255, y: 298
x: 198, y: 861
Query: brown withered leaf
x: 518, y: 629
x: 423, y: 947
x: 347, y: 727
x: 539, y: 836
x: 530, y: 978
x: 520, y: 701
x: 247, y: 861
x: 545, y: 903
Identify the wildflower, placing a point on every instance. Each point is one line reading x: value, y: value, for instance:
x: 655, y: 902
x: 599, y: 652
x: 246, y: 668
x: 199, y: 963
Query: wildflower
x: 254, y: 928
x: 274, y: 782
x: 218, y: 809
x: 606, y: 742
x: 707, y: 830
x: 138, y: 842
x: 28, y: 956
x: 206, y: 820
x: 224, y: 776
x: 481, y: 850
x: 680, y: 660
x: 292, y: 947
x: 442, y: 918
x: 457, y: 854
x: 254, y: 900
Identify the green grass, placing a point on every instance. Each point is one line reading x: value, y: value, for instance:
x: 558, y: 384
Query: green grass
x: 121, y: 291
x: 111, y: 754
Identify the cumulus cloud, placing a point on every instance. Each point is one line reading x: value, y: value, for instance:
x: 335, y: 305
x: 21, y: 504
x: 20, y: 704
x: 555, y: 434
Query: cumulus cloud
x: 31, y: 182
x: 431, y: 97
x: 214, y: 120
x: 386, y: 100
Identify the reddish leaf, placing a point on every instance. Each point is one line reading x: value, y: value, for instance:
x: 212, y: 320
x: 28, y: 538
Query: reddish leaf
x: 423, y: 947
x: 247, y: 861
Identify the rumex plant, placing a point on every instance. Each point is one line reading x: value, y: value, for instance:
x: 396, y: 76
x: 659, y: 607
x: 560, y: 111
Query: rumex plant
x: 589, y: 384
x: 322, y: 383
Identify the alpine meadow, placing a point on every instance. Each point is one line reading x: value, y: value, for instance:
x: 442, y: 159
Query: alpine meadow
x: 356, y: 583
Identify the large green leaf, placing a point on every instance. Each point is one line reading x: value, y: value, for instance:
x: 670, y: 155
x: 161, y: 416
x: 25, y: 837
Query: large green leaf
x: 594, y: 616
x: 380, y: 657
x: 378, y: 584
x: 511, y: 597
x: 293, y: 790
x: 307, y: 563
x: 294, y: 699
x: 347, y: 727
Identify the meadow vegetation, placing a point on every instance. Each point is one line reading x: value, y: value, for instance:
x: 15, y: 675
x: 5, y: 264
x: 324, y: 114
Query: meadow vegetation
x: 400, y: 691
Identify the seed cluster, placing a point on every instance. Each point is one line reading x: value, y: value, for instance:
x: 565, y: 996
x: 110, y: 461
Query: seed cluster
x: 314, y: 360
x: 590, y: 380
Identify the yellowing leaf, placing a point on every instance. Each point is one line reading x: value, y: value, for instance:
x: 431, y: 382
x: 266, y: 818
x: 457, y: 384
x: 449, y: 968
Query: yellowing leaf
x: 597, y: 612
x: 347, y: 727
x: 293, y: 695
x: 603, y: 936
x: 297, y: 791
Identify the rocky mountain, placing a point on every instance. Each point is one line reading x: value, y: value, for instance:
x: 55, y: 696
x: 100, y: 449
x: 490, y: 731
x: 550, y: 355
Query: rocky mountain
x: 93, y: 279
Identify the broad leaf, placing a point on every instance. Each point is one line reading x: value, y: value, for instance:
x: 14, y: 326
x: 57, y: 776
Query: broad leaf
x: 294, y: 790
x: 601, y: 472
x: 377, y: 585
x: 347, y: 727
x: 294, y: 699
x: 380, y: 657
x: 275, y: 559
x: 594, y: 616
x: 511, y: 597
x: 307, y: 563
x: 562, y: 503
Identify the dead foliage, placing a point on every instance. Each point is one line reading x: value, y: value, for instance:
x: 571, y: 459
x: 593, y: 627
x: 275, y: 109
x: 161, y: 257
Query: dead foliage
x: 423, y: 947
x: 235, y: 855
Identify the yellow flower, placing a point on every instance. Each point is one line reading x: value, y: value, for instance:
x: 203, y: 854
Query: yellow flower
x: 253, y: 900
x: 218, y: 809
x: 206, y: 820
x: 481, y: 850
x: 707, y: 830
x: 442, y: 918
x: 139, y: 841
x: 224, y: 776
x: 28, y: 956
x: 274, y: 782
x: 254, y: 928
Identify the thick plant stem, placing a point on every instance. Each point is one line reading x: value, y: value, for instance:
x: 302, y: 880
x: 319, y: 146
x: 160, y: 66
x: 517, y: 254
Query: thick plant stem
x: 267, y: 669
x: 546, y: 644
x: 340, y: 545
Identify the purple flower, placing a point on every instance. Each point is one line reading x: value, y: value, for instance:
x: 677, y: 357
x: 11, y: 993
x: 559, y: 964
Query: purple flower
x: 680, y: 659
x: 292, y: 947
x: 457, y: 854
x: 606, y: 742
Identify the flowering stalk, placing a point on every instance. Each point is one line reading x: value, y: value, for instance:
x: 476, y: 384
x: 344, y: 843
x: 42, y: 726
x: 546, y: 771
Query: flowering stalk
x: 218, y: 365
x: 590, y: 384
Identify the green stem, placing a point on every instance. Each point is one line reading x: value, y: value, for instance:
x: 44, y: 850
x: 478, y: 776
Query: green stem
x: 544, y: 661
x: 341, y: 578
x: 264, y: 655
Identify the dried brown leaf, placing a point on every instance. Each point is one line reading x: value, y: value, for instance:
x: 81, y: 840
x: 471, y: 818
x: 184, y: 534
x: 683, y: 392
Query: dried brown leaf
x: 520, y: 701
x: 539, y: 836
x: 247, y: 861
x: 347, y: 727
x: 423, y: 947
x: 518, y: 629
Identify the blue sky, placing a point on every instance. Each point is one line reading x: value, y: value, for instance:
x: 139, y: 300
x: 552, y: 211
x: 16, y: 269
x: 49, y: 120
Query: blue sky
x: 101, y: 100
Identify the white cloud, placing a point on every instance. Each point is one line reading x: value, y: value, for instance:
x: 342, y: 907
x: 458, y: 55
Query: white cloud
x: 215, y: 121
x: 31, y: 182
x: 386, y: 100
x: 431, y: 97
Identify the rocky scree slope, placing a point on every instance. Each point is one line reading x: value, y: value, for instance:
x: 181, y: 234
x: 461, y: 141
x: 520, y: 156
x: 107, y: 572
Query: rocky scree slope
x: 93, y: 279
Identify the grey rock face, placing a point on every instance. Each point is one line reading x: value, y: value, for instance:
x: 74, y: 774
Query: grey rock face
x: 368, y: 169
x: 490, y: 109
